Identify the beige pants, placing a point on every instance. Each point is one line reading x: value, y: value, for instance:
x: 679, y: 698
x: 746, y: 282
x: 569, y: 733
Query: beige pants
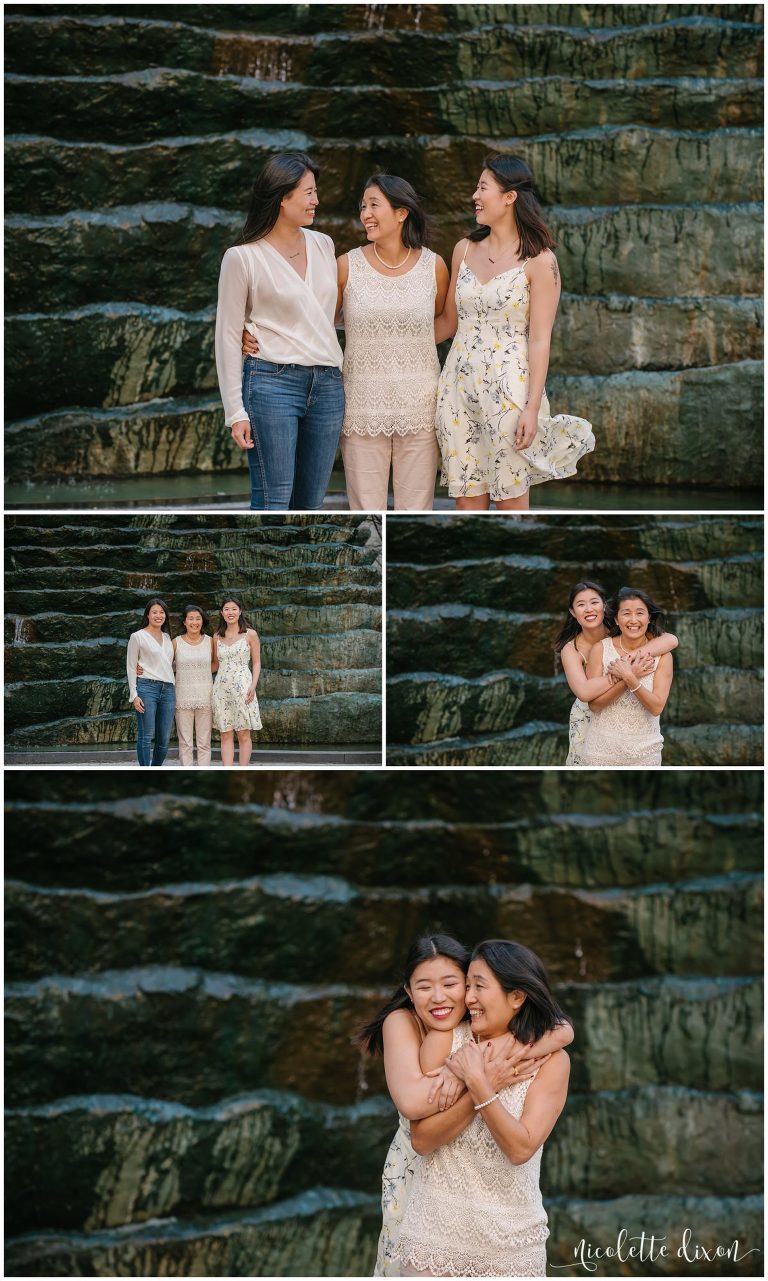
x: 194, y: 723
x: 413, y: 460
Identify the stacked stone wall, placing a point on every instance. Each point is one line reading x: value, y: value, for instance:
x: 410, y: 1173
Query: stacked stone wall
x: 473, y: 607
x: 188, y: 958
x: 135, y: 133
x: 76, y: 589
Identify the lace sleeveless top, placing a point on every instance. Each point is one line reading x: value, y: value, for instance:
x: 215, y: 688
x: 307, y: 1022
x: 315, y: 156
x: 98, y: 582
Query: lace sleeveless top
x: 194, y: 680
x: 390, y: 359
x: 624, y: 732
x: 471, y: 1212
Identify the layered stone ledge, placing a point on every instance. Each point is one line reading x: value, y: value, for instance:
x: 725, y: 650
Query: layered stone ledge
x: 192, y: 1036
x: 587, y: 837
x: 269, y: 924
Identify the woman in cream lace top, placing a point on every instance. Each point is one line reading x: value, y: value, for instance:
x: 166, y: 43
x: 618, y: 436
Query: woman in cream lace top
x: 624, y: 725
x: 475, y: 1208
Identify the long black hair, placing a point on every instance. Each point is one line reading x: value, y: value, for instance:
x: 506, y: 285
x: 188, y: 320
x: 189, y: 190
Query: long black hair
x: 166, y: 626
x: 280, y: 175
x: 401, y: 195
x: 370, y: 1038
x: 194, y: 609
x: 243, y: 623
x: 656, y: 614
x: 512, y: 174
x: 571, y: 627
x: 518, y: 969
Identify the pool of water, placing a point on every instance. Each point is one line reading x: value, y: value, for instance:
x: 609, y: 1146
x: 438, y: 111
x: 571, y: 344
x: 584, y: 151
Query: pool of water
x: 228, y: 492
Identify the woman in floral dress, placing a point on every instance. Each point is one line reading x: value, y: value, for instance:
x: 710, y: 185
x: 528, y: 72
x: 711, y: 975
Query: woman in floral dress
x: 235, y: 706
x: 494, y: 428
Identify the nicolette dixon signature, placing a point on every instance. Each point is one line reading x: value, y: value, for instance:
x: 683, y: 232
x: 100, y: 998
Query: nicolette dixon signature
x: 646, y: 1247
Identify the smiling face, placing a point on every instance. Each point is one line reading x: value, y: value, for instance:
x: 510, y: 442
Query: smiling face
x: 378, y: 217
x: 230, y: 612
x: 633, y: 618
x: 298, y: 207
x: 194, y: 622
x: 588, y: 608
x: 490, y: 1007
x: 156, y: 616
x: 491, y: 202
x: 437, y: 992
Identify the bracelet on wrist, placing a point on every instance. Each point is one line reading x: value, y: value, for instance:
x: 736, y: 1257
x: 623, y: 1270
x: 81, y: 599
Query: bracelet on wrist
x: 492, y: 1099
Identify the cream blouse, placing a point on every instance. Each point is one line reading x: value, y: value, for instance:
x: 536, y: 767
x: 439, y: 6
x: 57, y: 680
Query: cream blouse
x: 156, y: 661
x: 291, y: 318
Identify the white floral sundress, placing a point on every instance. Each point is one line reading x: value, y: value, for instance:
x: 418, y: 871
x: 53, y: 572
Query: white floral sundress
x: 230, y: 710
x: 484, y: 388
x: 396, y: 1180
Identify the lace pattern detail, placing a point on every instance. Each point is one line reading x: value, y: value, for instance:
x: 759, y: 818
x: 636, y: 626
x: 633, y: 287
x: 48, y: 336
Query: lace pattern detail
x: 194, y: 680
x: 624, y: 732
x: 471, y: 1212
x: 390, y: 361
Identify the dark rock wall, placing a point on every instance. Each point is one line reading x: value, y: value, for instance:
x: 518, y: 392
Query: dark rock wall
x: 187, y: 959
x: 76, y: 589
x: 135, y: 132
x: 473, y: 607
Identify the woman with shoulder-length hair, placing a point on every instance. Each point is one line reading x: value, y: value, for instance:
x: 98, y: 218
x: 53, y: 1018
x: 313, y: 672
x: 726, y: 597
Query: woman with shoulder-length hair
x: 624, y: 725
x: 494, y: 428
x: 284, y: 407
x: 237, y: 652
x: 392, y: 289
x: 152, y: 693
x: 414, y: 1032
x: 195, y: 663
x: 588, y: 622
x: 475, y: 1207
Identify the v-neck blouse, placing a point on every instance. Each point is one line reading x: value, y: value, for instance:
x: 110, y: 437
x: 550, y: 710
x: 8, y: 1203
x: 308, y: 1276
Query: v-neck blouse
x: 155, y: 659
x: 291, y: 318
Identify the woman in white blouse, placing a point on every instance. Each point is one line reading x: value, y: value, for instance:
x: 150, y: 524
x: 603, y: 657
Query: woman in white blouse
x: 285, y: 408
x: 152, y: 694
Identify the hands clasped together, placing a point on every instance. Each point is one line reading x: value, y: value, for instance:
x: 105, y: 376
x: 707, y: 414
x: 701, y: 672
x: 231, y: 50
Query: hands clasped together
x: 495, y: 1064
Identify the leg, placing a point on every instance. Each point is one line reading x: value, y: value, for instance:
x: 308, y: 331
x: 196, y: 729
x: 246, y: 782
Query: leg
x: 367, y: 460
x: 275, y: 398
x: 318, y: 441
x: 203, y: 719
x: 227, y: 747
x: 244, y: 746
x: 185, y: 720
x: 414, y: 465
x: 520, y: 504
x: 149, y: 692
x: 164, y: 724
x: 478, y: 503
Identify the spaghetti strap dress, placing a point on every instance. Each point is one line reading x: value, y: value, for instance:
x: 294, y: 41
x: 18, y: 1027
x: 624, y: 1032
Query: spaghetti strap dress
x: 484, y: 388
x: 230, y: 710
x: 578, y: 723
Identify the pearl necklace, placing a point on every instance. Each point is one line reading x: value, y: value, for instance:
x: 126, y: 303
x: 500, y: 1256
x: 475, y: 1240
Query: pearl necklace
x: 388, y: 266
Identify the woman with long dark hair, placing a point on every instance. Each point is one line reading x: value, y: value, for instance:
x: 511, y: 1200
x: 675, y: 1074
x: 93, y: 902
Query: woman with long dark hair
x: 237, y: 652
x: 623, y: 727
x: 587, y: 623
x: 494, y: 428
x: 152, y: 693
x: 475, y: 1208
x: 285, y: 407
x: 414, y: 1032
x: 392, y: 290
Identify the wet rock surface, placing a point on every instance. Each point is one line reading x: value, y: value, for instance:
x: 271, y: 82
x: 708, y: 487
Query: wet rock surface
x: 135, y: 135
x: 162, y: 1121
x: 76, y: 591
x: 474, y: 607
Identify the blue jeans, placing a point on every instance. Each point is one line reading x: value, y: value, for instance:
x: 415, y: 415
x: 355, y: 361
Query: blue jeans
x: 296, y: 413
x: 159, y: 699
